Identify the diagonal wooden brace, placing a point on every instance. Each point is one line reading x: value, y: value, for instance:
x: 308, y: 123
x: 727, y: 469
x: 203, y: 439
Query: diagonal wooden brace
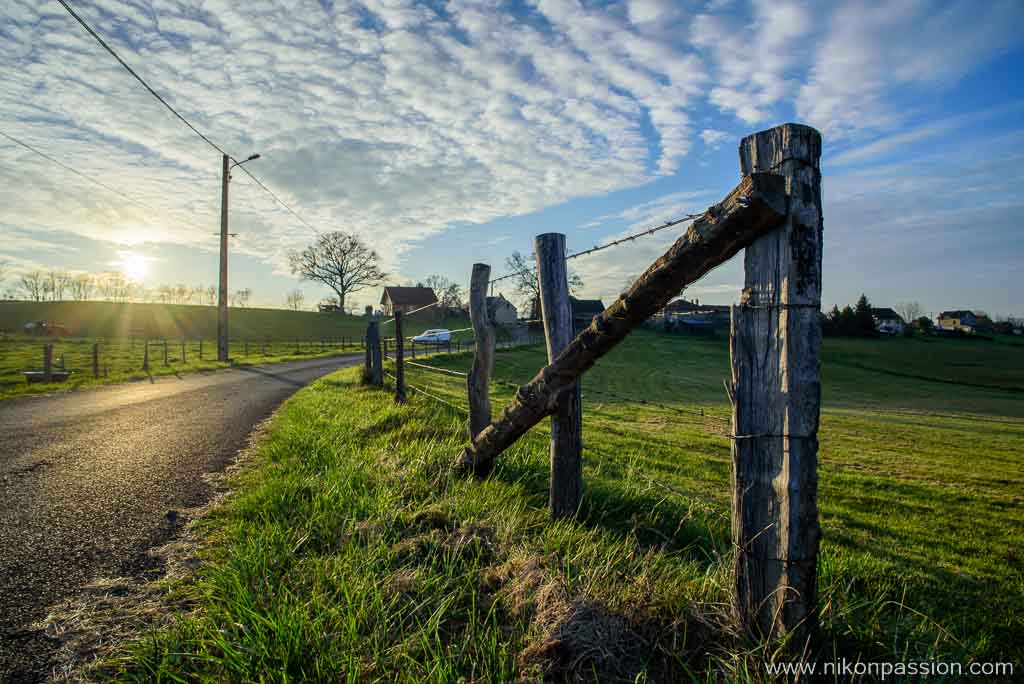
x: 754, y: 207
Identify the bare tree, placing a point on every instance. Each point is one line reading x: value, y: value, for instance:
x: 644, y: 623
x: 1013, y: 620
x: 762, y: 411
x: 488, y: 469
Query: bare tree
x: 82, y: 286
x: 294, y: 299
x: 241, y: 298
x: 113, y: 286
x: 910, y: 311
x: 32, y: 283
x: 341, y: 261
x: 525, y: 279
x: 449, y: 293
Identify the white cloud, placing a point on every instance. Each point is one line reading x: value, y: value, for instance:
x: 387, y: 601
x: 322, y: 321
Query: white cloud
x: 714, y: 139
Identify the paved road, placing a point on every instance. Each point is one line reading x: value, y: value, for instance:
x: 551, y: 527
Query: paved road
x: 88, y: 481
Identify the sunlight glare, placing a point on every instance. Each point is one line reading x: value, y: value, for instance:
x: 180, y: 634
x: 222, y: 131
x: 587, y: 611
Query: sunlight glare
x: 134, y: 266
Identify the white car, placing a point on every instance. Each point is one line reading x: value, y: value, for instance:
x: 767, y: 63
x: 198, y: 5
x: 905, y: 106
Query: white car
x: 437, y: 336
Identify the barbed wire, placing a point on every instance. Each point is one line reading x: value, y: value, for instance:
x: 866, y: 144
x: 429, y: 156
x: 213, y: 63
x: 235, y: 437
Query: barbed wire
x: 608, y: 245
x: 428, y: 394
x: 409, y: 313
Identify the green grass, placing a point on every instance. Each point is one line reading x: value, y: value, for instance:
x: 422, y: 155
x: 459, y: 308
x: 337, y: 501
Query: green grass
x: 258, y: 336
x: 350, y: 553
x: 177, y: 321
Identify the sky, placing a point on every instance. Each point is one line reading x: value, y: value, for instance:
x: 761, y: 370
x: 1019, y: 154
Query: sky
x: 448, y: 133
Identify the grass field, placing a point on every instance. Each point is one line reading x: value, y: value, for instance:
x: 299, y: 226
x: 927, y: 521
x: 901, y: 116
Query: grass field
x: 258, y: 336
x: 349, y: 552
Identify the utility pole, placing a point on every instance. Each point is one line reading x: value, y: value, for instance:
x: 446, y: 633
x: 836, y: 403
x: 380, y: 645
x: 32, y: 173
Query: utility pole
x: 222, y: 295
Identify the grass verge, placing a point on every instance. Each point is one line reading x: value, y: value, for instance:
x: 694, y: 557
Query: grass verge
x: 349, y: 553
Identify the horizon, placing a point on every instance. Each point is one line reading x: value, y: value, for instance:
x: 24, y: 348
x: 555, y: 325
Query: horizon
x: 446, y: 135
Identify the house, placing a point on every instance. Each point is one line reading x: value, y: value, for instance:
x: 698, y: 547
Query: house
x: 583, y: 312
x: 887, y: 321
x: 501, y: 311
x: 958, y: 321
x: 406, y: 299
x: 688, y: 316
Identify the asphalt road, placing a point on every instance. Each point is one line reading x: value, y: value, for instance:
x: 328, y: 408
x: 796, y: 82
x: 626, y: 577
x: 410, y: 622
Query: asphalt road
x: 90, y: 480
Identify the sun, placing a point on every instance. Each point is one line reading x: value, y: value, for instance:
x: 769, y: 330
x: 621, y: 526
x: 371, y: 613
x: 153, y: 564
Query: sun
x: 134, y: 266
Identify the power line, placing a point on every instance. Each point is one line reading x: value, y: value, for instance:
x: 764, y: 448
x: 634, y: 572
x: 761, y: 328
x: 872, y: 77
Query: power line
x: 174, y: 111
x: 613, y: 243
x: 139, y: 78
x: 84, y: 176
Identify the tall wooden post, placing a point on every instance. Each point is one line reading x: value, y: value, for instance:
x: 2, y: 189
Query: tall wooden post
x: 166, y: 361
x: 200, y: 348
x: 376, y: 375
x: 95, y: 359
x: 776, y: 392
x: 478, y: 384
x: 145, y: 356
x: 47, y: 363
x: 566, y: 489
x: 399, y: 360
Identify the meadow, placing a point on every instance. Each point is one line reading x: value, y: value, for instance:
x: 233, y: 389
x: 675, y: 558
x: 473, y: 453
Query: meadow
x: 350, y: 552
x: 189, y: 332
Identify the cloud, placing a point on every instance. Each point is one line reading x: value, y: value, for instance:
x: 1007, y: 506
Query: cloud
x: 714, y: 139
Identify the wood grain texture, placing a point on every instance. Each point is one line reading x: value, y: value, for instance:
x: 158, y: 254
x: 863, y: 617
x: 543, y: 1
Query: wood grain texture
x: 478, y: 384
x: 775, y: 349
x: 754, y: 207
x: 566, y: 485
x: 374, y: 351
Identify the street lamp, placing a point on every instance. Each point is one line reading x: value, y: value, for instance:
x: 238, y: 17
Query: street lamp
x: 222, y: 296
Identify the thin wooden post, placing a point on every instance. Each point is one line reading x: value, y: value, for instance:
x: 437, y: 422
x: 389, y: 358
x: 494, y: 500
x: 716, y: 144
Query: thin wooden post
x: 145, y: 356
x: 95, y: 359
x: 184, y: 351
x: 399, y: 360
x: 47, y: 363
x: 246, y: 348
x: 166, y: 361
x: 566, y: 488
x: 200, y: 348
x: 775, y: 348
x: 478, y: 384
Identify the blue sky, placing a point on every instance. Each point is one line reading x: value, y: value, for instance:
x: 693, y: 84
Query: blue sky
x: 446, y: 133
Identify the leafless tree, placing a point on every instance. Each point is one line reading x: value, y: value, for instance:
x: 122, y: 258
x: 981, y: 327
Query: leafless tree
x: 32, y: 283
x: 341, y: 261
x: 82, y: 286
x: 294, y: 299
x: 525, y: 279
x: 182, y: 294
x: 449, y: 293
x: 241, y: 298
x: 113, y: 286
x: 910, y: 311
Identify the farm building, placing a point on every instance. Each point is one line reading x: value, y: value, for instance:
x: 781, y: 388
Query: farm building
x: 887, y: 321
x: 583, y: 311
x: 960, y: 321
x: 406, y: 299
x: 687, y: 316
x: 501, y: 311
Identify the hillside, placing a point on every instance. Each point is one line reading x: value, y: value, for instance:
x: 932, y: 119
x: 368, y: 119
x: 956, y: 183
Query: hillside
x: 175, y: 321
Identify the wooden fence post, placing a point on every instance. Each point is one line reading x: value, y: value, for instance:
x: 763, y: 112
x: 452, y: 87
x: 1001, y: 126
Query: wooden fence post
x: 399, y: 360
x: 200, y: 348
x: 47, y: 363
x: 776, y: 394
x: 166, y: 362
x: 95, y: 359
x: 145, y: 356
x: 566, y: 488
x: 184, y: 352
x: 375, y: 367
x: 478, y: 384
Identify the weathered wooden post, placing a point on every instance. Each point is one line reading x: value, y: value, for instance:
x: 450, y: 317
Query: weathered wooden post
x: 566, y: 488
x: 478, y: 384
x: 399, y: 360
x: 183, y: 351
x: 145, y: 356
x: 95, y: 359
x: 246, y: 348
x: 373, y: 354
x: 47, y: 363
x: 166, y: 361
x: 776, y: 393
x: 200, y: 348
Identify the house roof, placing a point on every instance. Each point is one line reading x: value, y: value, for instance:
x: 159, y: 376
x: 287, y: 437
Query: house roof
x: 961, y: 313
x: 493, y: 301
x: 886, y: 314
x: 409, y: 296
x: 586, y: 307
